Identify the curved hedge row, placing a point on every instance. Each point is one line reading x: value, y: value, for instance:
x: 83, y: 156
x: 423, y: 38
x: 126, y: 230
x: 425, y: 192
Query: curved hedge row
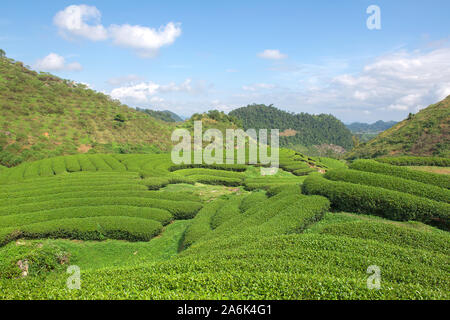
x: 226, y: 167
x: 173, y: 196
x: 389, y: 182
x: 416, y: 161
x: 94, y: 228
x: 201, y: 224
x: 390, y: 204
x: 179, y: 209
x: 160, y: 215
x: 401, y: 172
x: 210, y: 172
x: 228, y: 211
x: 386, y: 232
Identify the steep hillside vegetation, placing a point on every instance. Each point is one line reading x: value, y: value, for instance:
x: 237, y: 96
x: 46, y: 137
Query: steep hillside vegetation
x: 296, y: 129
x: 42, y: 115
x: 426, y: 133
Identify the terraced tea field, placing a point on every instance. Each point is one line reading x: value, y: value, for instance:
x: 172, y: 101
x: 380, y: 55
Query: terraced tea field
x: 140, y: 227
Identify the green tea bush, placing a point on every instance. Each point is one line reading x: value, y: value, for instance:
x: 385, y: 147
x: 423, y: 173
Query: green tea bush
x: 94, y: 228
x: 179, y: 209
x: 386, y: 232
x: 227, y: 212
x: 405, y: 173
x: 390, y: 182
x: 201, y: 224
x: 46, y: 168
x: 85, y: 163
x: 99, y: 163
x: 303, y: 172
x: 58, y: 165
x: 210, y: 172
x: 160, y: 215
x: 32, y: 170
x: 72, y: 164
x: 251, y: 200
x: 390, y: 204
x: 227, y: 167
x: 113, y: 163
x: 416, y: 161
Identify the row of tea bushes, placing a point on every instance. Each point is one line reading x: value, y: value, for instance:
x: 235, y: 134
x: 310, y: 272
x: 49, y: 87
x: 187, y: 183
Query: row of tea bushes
x: 436, y: 179
x: 416, y: 161
x: 389, y: 182
x: 390, y: 204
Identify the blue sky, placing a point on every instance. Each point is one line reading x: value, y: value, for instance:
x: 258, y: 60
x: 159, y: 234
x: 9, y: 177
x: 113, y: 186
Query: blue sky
x: 192, y: 56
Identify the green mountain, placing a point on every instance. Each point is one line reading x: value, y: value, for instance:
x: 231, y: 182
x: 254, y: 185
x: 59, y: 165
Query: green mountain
x: 42, y: 115
x: 165, y: 115
x: 301, y: 129
x: 426, y: 133
x: 376, y: 127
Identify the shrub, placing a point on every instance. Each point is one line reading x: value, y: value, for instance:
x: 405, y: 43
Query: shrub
x: 160, y: 215
x: 405, y: 173
x: 86, y: 164
x: 58, y: 165
x: 72, y: 164
x: 94, y: 228
x: 416, y: 161
x: 390, y: 204
x: 201, y: 225
x: 390, y: 182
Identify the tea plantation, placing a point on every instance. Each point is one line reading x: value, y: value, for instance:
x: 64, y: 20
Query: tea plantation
x: 141, y: 227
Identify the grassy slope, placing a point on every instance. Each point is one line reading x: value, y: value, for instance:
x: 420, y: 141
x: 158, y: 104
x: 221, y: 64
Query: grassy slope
x: 425, y: 133
x: 42, y: 115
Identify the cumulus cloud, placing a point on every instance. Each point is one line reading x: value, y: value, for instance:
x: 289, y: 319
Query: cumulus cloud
x: 55, y: 62
x: 144, y: 40
x: 272, y: 55
x: 74, y: 20
x: 147, y: 91
x: 84, y: 21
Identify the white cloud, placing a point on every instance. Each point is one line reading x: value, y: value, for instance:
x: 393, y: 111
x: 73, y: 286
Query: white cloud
x: 74, y: 20
x: 258, y: 86
x: 55, y: 62
x: 144, y: 40
x: 272, y: 54
x: 147, y: 91
x: 85, y: 22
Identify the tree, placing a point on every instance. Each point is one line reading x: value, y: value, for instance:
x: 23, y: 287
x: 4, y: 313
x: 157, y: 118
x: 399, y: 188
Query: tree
x: 2, y: 53
x: 119, y: 118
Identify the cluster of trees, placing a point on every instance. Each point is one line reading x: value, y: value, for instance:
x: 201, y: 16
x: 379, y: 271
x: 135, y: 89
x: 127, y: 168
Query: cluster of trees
x: 309, y: 129
x: 166, y: 115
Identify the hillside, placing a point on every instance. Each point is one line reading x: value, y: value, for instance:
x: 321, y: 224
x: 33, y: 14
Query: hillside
x: 426, y: 133
x: 165, y: 115
x: 296, y: 130
x: 376, y: 127
x: 42, y: 115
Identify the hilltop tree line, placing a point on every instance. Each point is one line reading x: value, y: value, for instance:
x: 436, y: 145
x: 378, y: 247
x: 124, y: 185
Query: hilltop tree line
x: 309, y: 129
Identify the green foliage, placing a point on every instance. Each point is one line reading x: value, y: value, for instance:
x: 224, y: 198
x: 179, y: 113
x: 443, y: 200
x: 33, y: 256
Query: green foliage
x: 423, y: 134
x: 416, y: 161
x: 401, y: 172
x: 390, y: 204
x: 310, y: 129
x: 390, y: 182
x: 166, y: 115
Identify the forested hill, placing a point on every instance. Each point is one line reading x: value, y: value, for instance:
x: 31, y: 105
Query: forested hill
x: 165, y: 115
x: 376, y: 127
x: 42, y: 115
x: 426, y: 133
x: 295, y: 129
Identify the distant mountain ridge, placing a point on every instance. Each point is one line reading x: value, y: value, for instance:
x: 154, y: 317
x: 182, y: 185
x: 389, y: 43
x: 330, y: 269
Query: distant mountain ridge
x: 165, y: 115
x: 295, y: 129
x: 426, y: 133
x: 376, y: 127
